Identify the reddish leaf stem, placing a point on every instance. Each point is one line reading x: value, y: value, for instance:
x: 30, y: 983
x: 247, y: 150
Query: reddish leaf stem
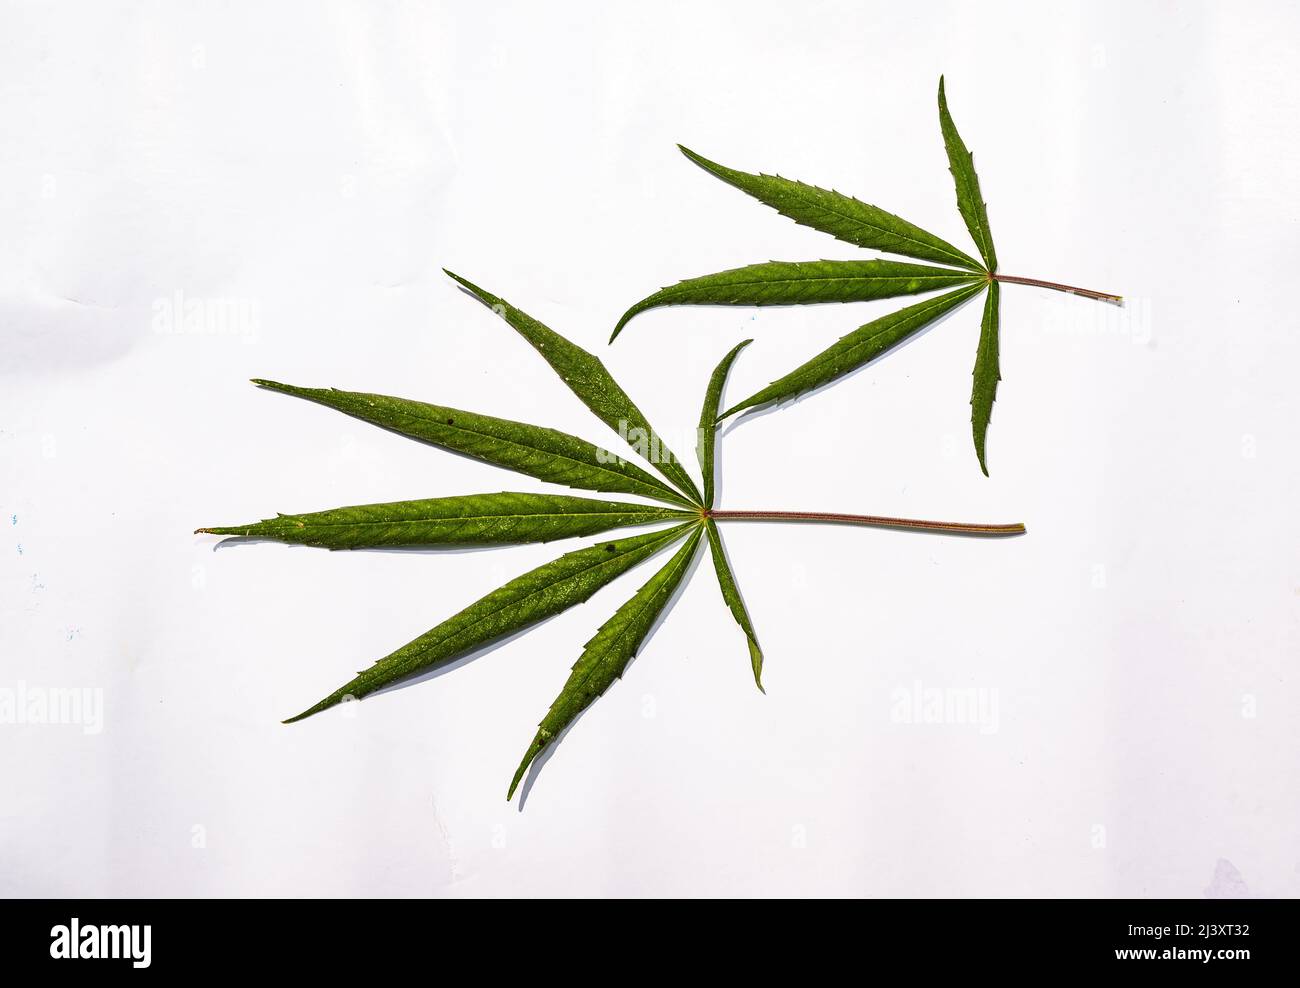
x: 877, y: 521
x: 1056, y: 286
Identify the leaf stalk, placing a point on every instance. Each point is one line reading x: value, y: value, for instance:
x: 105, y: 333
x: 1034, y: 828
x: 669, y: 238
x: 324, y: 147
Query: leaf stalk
x: 1056, y: 286
x: 874, y: 521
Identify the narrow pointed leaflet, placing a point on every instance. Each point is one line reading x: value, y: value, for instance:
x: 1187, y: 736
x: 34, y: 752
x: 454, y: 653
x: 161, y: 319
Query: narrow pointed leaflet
x: 970, y: 203
x: 472, y: 519
x: 858, y: 348
x: 735, y: 603
x: 525, y: 600
x: 986, y: 375
x: 843, y: 217
x: 708, y: 463
x: 588, y: 378
x: 546, y: 454
x: 607, y: 654
x: 708, y: 429
x: 803, y: 283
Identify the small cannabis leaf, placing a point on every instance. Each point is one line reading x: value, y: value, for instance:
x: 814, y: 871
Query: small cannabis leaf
x: 505, y: 518
x: 810, y: 282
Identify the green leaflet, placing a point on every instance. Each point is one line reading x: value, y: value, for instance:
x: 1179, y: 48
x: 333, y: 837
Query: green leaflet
x: 843, y: 217
x: 731, y: 594
x: 473, y: 519
x: 546, y: 454
x: 708, y: 430
x: 525, y: 600
x: 857, y: 348
x: 801, y: 283
x: 607, y: 654
x: 587, y: 378
x: 986, y: 374
x: 969, y: 201
x: 726, y: 580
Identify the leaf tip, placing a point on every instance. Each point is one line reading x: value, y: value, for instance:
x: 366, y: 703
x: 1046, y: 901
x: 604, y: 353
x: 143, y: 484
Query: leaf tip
x: 519, y: 774
x: 699, y: 159
x: 623, y: 321
x: 487, y: 298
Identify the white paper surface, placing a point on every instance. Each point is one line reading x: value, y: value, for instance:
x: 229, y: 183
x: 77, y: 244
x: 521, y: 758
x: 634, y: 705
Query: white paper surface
x: 302, y: 172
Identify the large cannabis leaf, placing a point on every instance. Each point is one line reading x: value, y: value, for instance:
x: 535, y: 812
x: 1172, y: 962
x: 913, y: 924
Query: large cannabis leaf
x: 507, y: 518
x: 856, y: 222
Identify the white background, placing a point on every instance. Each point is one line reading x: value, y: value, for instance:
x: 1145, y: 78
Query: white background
x: 318, y: 164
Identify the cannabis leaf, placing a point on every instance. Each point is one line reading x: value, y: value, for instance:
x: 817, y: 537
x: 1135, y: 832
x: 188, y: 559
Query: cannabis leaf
x: 502, y: 518
x: 865, y: 225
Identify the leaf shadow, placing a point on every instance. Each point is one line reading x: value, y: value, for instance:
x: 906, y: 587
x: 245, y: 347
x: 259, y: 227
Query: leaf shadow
x: 461, y: 660
x: 530, y: 779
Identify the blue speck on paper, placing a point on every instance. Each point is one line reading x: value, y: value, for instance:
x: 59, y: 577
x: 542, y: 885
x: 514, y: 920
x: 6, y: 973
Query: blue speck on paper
x: 13, y: 519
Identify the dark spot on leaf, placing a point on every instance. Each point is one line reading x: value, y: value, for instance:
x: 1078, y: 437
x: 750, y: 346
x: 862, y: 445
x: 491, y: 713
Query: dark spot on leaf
x: 451, y: 421
x: 610, y: 547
